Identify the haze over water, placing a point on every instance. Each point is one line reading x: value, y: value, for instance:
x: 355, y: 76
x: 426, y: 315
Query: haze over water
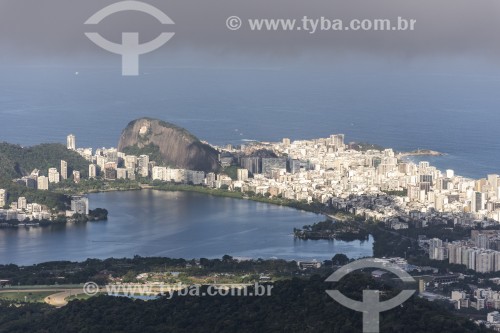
x: 455, y: 114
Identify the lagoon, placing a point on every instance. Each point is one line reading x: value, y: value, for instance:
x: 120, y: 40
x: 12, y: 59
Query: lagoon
x: 176, y: 225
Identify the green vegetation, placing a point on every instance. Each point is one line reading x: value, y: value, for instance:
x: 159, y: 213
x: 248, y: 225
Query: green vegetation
x: 363, y: 146
x: 96, y: 185
x: 22, y: 296
x: 231, y: 171
x: 151, y: 149
x: 346, y: 231
x: 295, y: 305
x: 402, y: 193
x: 441, y: 231
x: 16, y: 161
x: 50, y: 199
x: 198, y: 189
x: 389, y: 243
x: 65, y: 272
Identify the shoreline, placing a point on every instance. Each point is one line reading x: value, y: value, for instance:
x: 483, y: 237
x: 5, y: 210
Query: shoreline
x: 421, y: 152
x: 298, y: 205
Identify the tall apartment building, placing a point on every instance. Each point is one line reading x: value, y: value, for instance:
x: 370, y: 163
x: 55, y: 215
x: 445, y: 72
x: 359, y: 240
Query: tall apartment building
x: 80, y: 205
x: 92, y: 171
x: 252, y: 164
x: 64, y: 170
x: 22, y: 203
x: 268, y: 164
x: 242, y: 175
x: 53, y: 175
x: 436, y: 250
x: 76, y: 176
x: 143, y: 165
x: 42, y: 183
x: 71, y: 142
x: 3, y: 197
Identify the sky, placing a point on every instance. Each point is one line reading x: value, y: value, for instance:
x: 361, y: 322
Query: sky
x: 457, y: 33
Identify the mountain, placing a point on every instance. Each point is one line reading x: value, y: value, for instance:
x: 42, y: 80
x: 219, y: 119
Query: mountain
x: 17, y: 161
x: 168, y: 144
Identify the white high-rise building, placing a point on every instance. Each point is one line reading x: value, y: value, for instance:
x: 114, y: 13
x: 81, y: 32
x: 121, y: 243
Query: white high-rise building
x: 159, y: 173
x: 436, y: 250
x: 22, y: 203
x: 71, y: 142
x: 121, y: 173
x: 242, y: 175
x: 76, y: 176
x: 53, y: 175
x: 92, y: 171
x: 3, y: 197
x: 43, y: 183
x: 143, y: 165
x: 80, y: 205
x: 64, y: 170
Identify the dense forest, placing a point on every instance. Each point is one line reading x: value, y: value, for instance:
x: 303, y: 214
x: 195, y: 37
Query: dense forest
x: 296, y: 305
x: 17, y: 161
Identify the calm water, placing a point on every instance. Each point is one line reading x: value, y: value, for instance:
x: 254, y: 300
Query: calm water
x: 178, y: 225
x: 457, y: 114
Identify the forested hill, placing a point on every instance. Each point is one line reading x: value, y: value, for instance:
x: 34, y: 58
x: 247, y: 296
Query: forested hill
x: 295, y: 306
x: 16, y: 161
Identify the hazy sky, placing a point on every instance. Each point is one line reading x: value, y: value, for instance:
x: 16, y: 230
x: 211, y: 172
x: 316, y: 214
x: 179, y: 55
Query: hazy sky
x: 52, y: 32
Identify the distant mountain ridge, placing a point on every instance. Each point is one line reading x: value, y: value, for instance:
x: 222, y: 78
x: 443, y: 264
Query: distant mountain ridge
x: 173, y: 144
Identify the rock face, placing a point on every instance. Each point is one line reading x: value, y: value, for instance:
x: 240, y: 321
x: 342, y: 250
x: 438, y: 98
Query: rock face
x: 177, y: 146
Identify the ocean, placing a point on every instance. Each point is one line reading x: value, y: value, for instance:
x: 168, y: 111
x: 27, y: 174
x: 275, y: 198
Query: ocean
x: 455, y: 114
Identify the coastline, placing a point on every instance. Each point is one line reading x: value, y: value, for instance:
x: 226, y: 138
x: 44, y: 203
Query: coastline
x: 421, y: 152
x: 303, y: 206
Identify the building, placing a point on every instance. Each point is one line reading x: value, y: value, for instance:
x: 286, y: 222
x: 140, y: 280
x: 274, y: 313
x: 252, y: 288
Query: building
x: 3, y: 198
x: 195, y: 177
x: 143, y: 165
x: 54, y: 176
x: 252, y: 164
x: 130, y: 162
x: 436, y: 250
x: 493, y: 317
x: 64, y: 170
x: 110, y: 173
x: 76, y: 176
x: 121, y: 173
x: 80, y: 205
x: 270, y: 164
x: 42, y: 183
x: 337, y: 140
x: 478, y: 201
x: 22, y: 203
x: 242, y: 175
x: 92, y: 171
x: 71, y: 142
x: 159, y: 173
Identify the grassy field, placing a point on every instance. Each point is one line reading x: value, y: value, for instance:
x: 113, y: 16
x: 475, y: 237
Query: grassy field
x: 78, y: 297
x: 38, y: 296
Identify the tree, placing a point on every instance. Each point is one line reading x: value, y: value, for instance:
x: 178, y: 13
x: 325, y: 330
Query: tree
x: 340, y: 259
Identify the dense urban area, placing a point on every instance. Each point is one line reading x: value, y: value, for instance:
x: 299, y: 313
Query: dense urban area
x: 439, y: 226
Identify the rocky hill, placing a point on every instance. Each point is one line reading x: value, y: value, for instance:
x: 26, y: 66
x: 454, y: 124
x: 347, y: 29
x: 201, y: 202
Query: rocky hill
x: 175, y: 146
